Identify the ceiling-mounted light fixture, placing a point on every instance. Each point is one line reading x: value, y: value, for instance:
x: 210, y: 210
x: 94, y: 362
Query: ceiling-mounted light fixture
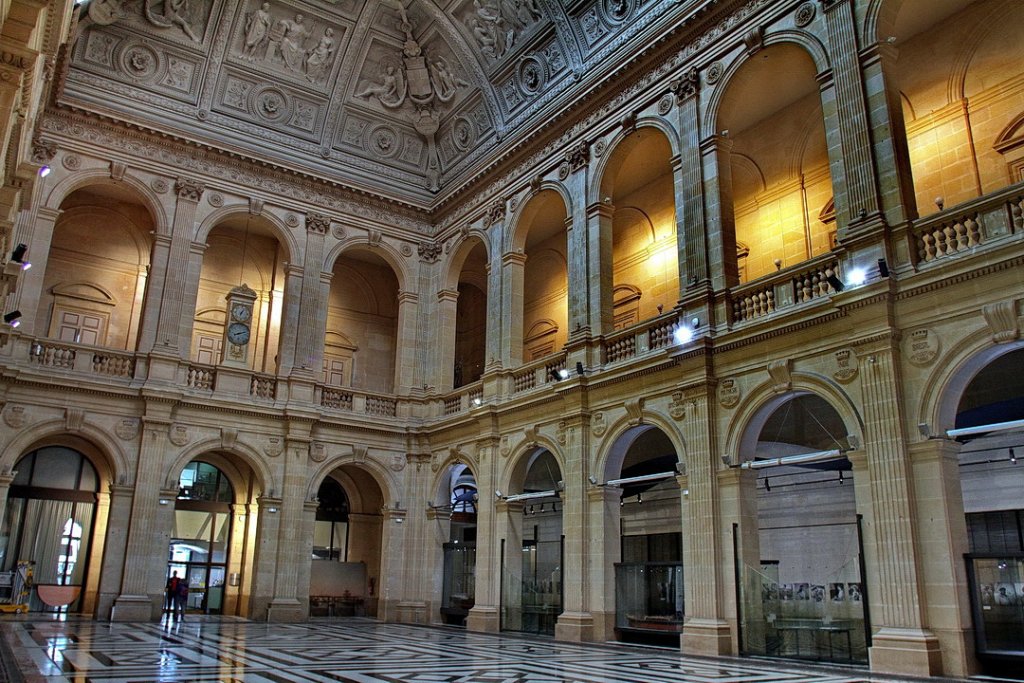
x: 18, y: 256
x: 836, y: 283
x: 13, y: 318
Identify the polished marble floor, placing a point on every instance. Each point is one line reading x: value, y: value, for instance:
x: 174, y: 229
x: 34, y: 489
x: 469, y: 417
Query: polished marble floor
x: 357, y: 651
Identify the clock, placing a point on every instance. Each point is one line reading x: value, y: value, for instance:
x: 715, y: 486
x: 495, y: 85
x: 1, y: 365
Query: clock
x: 241, y: 313
x: 238, y: 334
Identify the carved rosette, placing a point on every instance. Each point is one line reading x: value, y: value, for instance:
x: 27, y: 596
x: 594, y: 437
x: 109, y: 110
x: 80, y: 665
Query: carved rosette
x: 532, y: 75
x: 178, y: 434
x: 160, y: 186
x: 713, y: 73
x: 847, y: 366
x: 804, y: 14
x: 72, y: 162
x: 215, y: 199
x: 429, y: 251
x: 665, y: 104
x: 140, y: 62
x: 600, y: 147
x: 729, y: 393
x: 190, y: 189
x: 921, y: 347
x: 317, y: 223
x: 464, y: 133
x: 127, y: 429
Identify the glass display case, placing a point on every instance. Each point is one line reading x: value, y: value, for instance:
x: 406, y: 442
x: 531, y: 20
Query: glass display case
x: 997, y: 595
x: 649, y: 597
x: 458, y: 590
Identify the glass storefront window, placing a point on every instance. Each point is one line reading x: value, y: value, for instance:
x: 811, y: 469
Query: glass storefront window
x: 997, y: 588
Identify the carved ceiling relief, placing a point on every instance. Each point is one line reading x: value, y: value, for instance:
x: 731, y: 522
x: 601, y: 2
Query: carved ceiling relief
x: 498, y: 25
x: 178, y: 18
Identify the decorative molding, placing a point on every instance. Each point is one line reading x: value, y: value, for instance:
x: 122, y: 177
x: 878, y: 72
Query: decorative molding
x: 178, y: 434
x: 74, y: 419
x: 228, y: 437
x: 43, y: 151
x: 495, y: 214
x: 127, y: 429
x: 273, y: 447
x: 687, y: 85
x: 429, y: 251
x: 578, y: 156
x: 188, y: 188
x: 317, y: 223
x: 921, y: 347
x: 14, y: 416
x: 729, y: 393
x: 598, y: 426
x: 779, y: 370
x: 1001, y: 318
x: 317, y: 451
x: 117, y: 170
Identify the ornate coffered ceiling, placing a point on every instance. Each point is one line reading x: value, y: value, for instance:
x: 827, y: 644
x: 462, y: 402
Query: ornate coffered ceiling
x: 407, y: 99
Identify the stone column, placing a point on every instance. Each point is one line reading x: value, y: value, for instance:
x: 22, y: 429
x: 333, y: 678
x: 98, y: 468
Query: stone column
x: 484, y: 614
x: 583, y: 248
x: 112, y: 562
x: 705, y: 632
x: 718, y: 212
x: 445, y: 317
x: 392, y: 585
x: 101, y: 517
x: 176, y: 283
x: 513, y: 265
x: 605, y: 550
x: 309, y: 338
x: 847, y: 125
x: 30, y: 285
x: 439, y: 529
x: 496, y: 311
x: 145, y: 553
x: 408, y: 372
x: 576, y: 623
x: 687, y: 173
x: 291, y: 600
x: 288, y: 339
x: 738, y: 495
x: 901, y: 644
x: 155, y: 281
x: 263, y: 535
x: 305, y: 566
x: 191, y: 274
x: 942, y: 534
x: 598, y: 282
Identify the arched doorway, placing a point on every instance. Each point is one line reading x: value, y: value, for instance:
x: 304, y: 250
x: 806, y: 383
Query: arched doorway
x: 531, y: 554
x: 649, y: 600
x: 471, y: 318
x: 200, y: 542
x: 802, y: 591
x: 49, y: 522
x: 458, y: 585
x: 991, y: 411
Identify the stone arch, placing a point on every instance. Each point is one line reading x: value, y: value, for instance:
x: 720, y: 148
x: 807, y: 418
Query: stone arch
x: 808, y: 43
x: 516, y: 238
x: 880, y: 20
x: 383, y: 476
x: 605, y: 168
x: 750, y: 416
x: 387, y: 252
x: 106, y: 455
x: 612, y: 450
x: 453, y: 458
x: 460, y: 252
x: 280, y: 230
x: 518, y: 462
x: 241, y: 450
x: 133, y: 229
x: 60, y: 190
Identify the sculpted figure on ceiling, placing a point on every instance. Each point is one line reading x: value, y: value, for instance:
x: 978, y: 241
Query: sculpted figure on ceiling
x: 257, y: 32
x: 180, y: 13
x: 496, y: 23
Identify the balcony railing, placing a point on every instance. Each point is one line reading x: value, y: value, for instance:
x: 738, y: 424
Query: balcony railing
x: 649, y: 335
x: 264, y: 387
x: 113, y: 364
x: 201, y: 377
x: 967, y: 226
x: 53, y: 355
x: 768, y: 294
x: 463, y: 398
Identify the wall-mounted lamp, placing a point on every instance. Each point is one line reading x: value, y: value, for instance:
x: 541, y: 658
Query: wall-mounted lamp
x: 683, y: 334
x: 399, y: 520
x: 272, y: 510
x: 835, y: 282
x: 639, y: 499
x: 477, y: 401
x: 559, y: 374
x: 841, y: 477
x: 13, y: 318
x: 767, y: 484
x: 44, y: 171
x: 164, y: 501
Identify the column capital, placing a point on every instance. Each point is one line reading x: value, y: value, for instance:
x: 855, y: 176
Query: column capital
x: 189, y: 188
x: 513, y: 258
x: 687, y: 85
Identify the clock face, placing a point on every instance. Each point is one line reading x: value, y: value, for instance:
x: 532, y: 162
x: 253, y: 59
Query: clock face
x: 240, y: 312
x: 238, y: 333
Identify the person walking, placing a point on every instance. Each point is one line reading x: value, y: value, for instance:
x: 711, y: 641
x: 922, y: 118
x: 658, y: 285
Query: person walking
x: 181, y: 599
x: 171, y: 593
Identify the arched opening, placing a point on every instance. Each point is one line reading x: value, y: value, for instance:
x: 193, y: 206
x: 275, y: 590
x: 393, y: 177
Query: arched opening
x: 200, y: 550
x: 363, y: 308
x: 455, y: 514
x: 240, y: 301
x: 96, y: 272
x: 471, y: 318
x: 771, y: 112
x: 638, y: 184
x: 544, y: 285
x: 958, y: 72
x: 991, y: 482
x: 802, y: 585
x: 531, y: 572
x: 347, y: 544
x: 48, y: 531
x: 649, y: 601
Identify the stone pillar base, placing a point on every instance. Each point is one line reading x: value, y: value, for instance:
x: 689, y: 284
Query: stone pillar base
x: 604, y: 626
x: 286, y: 611
x: 411, y: 612
x: 135, y: 608
x: 484, y: 619
x: 905, y: 651
x: 576, y: 627
x: 707, y: 637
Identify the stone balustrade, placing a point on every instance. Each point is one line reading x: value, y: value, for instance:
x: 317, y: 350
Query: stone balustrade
x: 798, y: 285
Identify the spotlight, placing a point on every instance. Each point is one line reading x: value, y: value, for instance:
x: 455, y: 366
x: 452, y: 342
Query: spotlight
x: 18, y: 256
x: 621, y: 502
x: 13, y: 318
x: 44, y: 171
x: 497, y: 493
x: 563, y: 374
x: 639, y: 499
x: 883, y: 268
x: 840, y: 477
x: 857, y: 276
x: 1013, y: 457
x: 835, y: 282
x: 579, y: 369
x: 477, y: 401
x: 767, y: 484
x: 683, y: 334
x: 541, y: 507
x: 592, y: 479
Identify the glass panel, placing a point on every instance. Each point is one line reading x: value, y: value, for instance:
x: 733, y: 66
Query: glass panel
x: 196, y: 587
x: 56, y: 468
x: 649, y: 597
x: 12, y: 527
x: 191, y: 533
x: 221, y: 536
x: 458, y: 589
x: 807, y: 610
x: 998, y: 589
x: 215, y: 591
x: 322, y: 540
x: 532, y: 592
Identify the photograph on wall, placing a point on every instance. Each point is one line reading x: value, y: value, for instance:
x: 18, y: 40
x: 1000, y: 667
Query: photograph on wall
x: 853, y: 591
x: 801, y: 591
x: 837, y: 592
x: 786, y: 592
x: 1006, y: 594
x: 818, y: 592
x: 988, y: 594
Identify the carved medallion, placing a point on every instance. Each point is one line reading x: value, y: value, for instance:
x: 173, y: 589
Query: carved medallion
x: 804, y: 14
x: 140, y: 62
x: 729, y: 393
x: 72, y: 162
x: 618, y: 10
x: 665, y: 104
x: 847, y: 365
x: 599, y: 148
x: 178, y: 434
x: 216, y: 199
x: 337, y: 231
x: 291, y: 220
x: 406, y: 250
x: 160, y: 186
x: 921, y: 347
x: 14, y: 416
x: 127, y: 429
x: 463, y: 133
x: 714, y: 73
x: 397, y: 463
x: 598, y: 426
x: 273, y: 447
x: 563, y: 170
x: 532, y: 75
x: 677, y: 408
x: 271, y: 104
x: 317, y: 451
x: 383, y: 140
